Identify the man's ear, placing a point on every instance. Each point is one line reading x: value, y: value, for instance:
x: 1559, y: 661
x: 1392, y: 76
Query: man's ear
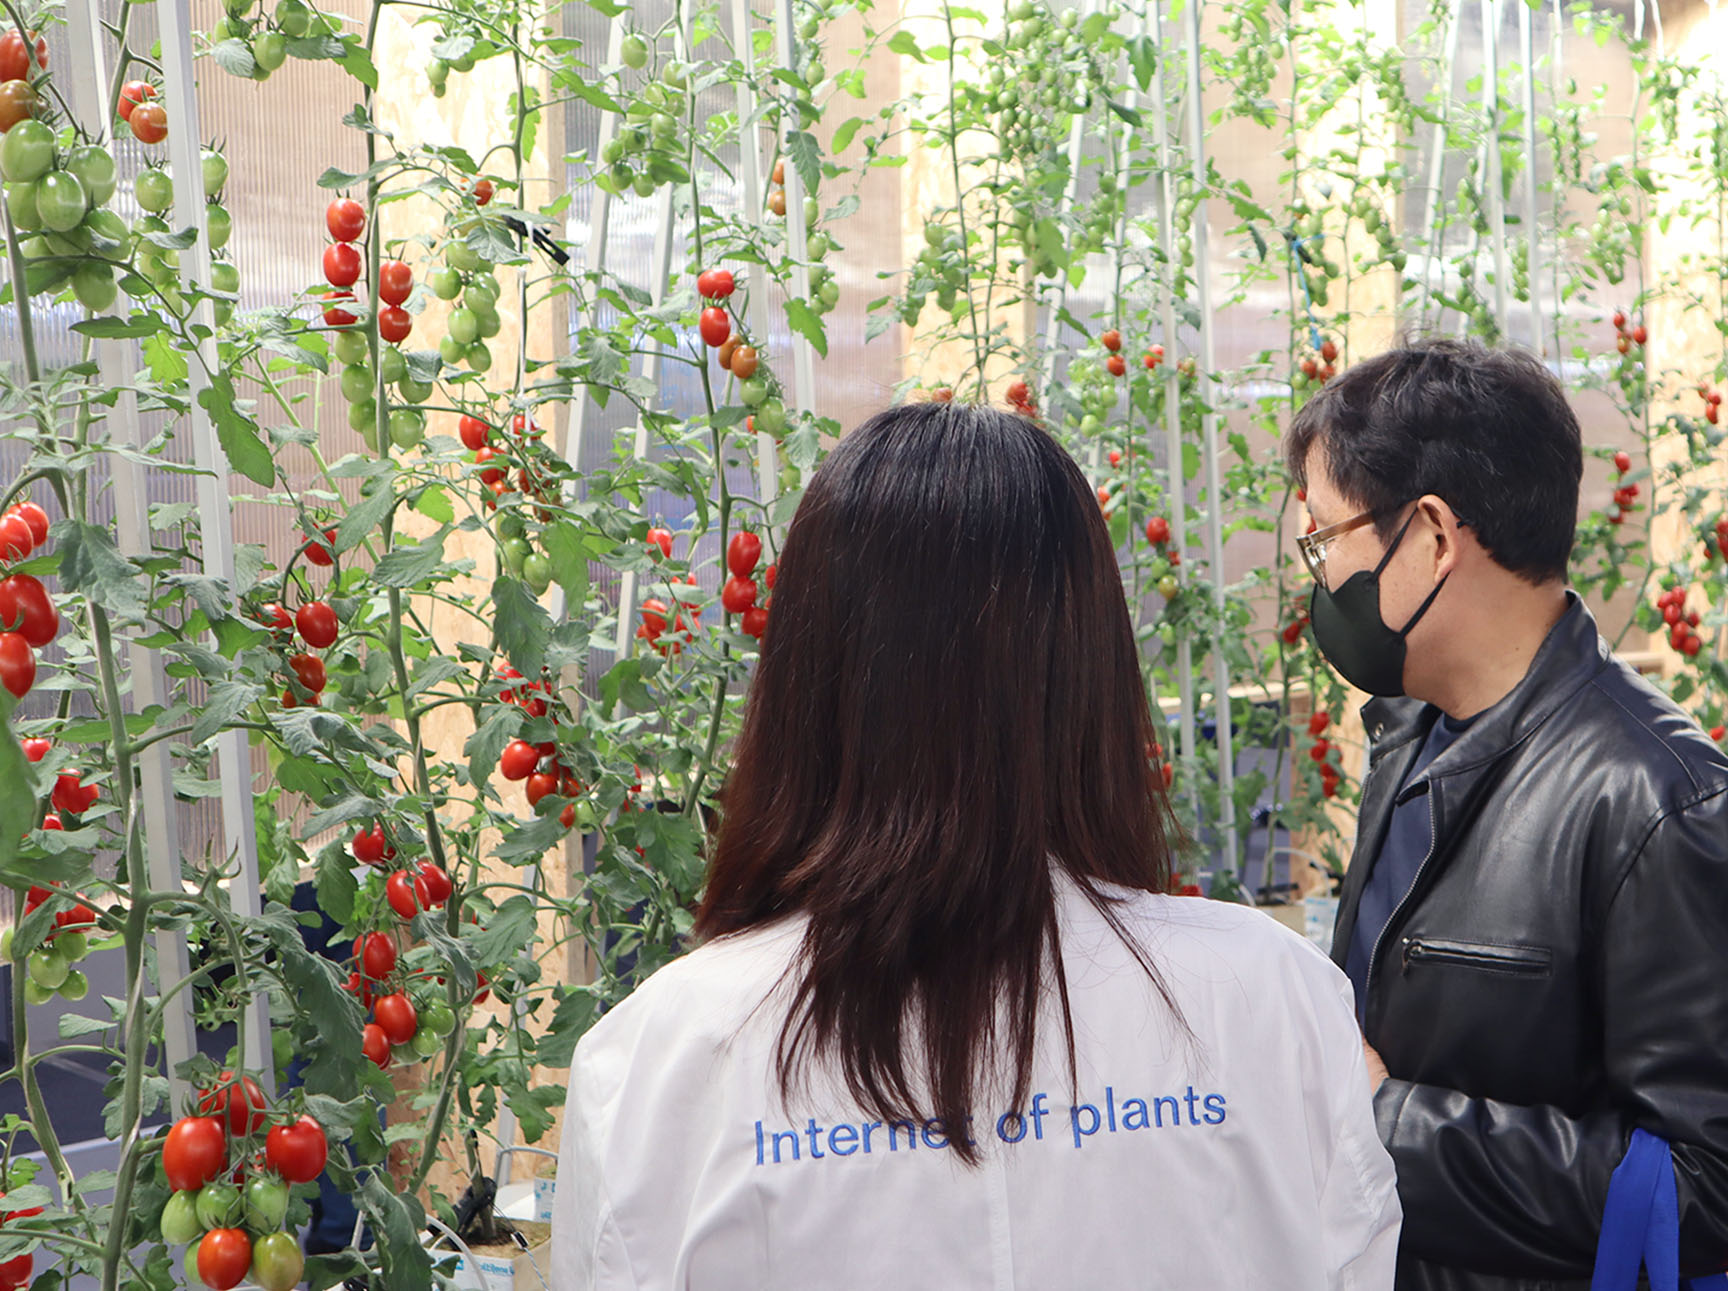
x: 1439, y: 517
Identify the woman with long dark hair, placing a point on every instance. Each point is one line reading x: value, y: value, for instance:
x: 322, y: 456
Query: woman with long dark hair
x: 943, y: 1028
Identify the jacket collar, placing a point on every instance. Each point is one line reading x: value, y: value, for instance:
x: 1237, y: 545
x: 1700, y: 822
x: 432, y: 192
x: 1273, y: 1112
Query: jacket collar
x: 1570, y: 655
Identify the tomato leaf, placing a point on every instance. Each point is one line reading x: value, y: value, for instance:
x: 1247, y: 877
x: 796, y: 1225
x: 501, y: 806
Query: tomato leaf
x: 397, y: 1220
x: 507, y: 931
x: 569, y: 556
x: 1143, y: 58
x: 226, y: 701
x: 526, y: 844
x: 335, y: 883
x: 905, y: 43
x: 90, y: 564
x: 521, y: 623
x: 107, y: 328
x: 807, y: 157
x: 577, y: 1010
x: 406, y: 566
x: 808, y: 324
x: 363, y: 520
x: 237, y: 433
x: 234, y: 56
x: 843, y: 136
x: 488, y: 741
x: 359, y: 63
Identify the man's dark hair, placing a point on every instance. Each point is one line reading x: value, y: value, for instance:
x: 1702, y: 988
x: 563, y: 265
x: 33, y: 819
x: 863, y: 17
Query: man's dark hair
x: 1488, y: 430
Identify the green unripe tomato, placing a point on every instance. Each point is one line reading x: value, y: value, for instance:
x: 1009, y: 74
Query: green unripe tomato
x: 478, y: 358
x: 463, y: 326
x: 190, y: 1266
x: 6, y: 940
x: 812, y: 212
x: 293, y: 17
x: 537, y: 573
x: 220, y: 226
x: 643, y: 185
x: 47, y: 969
x: 489, y: 323
x: 154, y: 190
x: 218, y: 1205
x: 60, y: 201
x: 753, y: 391
x: 438, y: 1020
x: 266, y: 1202
x: 446, y: 284
x: 349, y: 347
x: 662, y: 127
x: 771, y: 417
x: 788, y: 478
x: 513, y: 552
x: 269, y: 51
x: 634, y: 52
x: 819, y: 245
x: 407, y: 427
x: 482, y: 294
x: 94, y: 167
x: 511, y: 525
x: 413, y: 391
x: 224, y: 276
x: 829, y: 294
x: 392, y: 364
x: 357, y: 383
x: 425, y: 1044
x: 93, y: 285
x: 277, y: 1262
x: 616, y: 149
x: 108, y: 227
x: 72, y: 946
x: 808, y: 28
x: 214, y: 167
x: 26, y: 151
x: 36, y: 993
x: 438, y: 73
x: 180, y: 1218
x: 75, y: 987
x: 451, y: 350
x: 459, y: 255
x: 21, y: 206
x: 363, y: 416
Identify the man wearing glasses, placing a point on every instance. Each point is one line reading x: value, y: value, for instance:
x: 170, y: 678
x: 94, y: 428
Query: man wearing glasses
x: 1535, y: 919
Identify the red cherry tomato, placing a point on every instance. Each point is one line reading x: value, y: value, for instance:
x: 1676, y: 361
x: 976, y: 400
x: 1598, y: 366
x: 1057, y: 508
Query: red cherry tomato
x: 36, y: 518
x: 738, y: 595
x: 317, y: 624
x: 149, y: 122
x: 36, y: 749
x: 721, y: 284
x: 336, y: 313
x: 309, y: 668
x: 16, y: 540
x: 26, y: 608
x: 394, y: 324
x: 375, y: 1044
x: 194, y: 1152
x: 297, y: 1152
x: 72, y: 795
x: 368, y: 845
x: 377, y: 956
x: 661, y: 539
x: 345, y: 219
x: 224, y: 1255
x: 539, y: 785
x: 242, y: 1098
x: 17, y: 1271
x: 17, y: 664
x: 715, y: 326
x: 1158, y: 531
x: 518, y: 760
x: 403, y: 894
x: 132, y: 94
x: 438, y: 886
x: 342, y: 264
x: 474, y: 433
x: 482, y: 192
x: 755, y: 621
x: 743, y: 552
x: 322, y: 554
x: 15, y: 55
x: 397, y: 1018
x: 395, y: 282
x: 277, y: 619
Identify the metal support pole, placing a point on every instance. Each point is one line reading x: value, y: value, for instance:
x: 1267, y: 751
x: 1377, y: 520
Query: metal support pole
x: 1496, y: 194
x: 754, y: 195
x: 1209, y: 433
x: 215, y: 506
x: 117, y: 363
x: 1177, y: 485
x: 1533, y: 242
x: 1431, y: 248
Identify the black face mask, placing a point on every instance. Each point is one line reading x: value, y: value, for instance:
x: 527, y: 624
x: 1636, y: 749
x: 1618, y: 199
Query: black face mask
x: 1352, y: 635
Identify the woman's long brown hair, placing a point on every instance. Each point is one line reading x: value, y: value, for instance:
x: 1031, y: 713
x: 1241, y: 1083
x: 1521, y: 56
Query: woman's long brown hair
x: 948, y: 707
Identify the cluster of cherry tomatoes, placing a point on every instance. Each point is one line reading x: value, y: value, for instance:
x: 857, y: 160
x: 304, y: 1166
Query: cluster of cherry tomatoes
x: 1716, y: 540
x: 230, y: 1200
x: 316, y: 625
x: 1712, y: 398
x: 1021, y: 400
x: 1319, y: 368
x: 28, y: 619
x: 1625, y: 492
x: 1321, y: 752
x: 1682, y: 623
x: 1625, y: 338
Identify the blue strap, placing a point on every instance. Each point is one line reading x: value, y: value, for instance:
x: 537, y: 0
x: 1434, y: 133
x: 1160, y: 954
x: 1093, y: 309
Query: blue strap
x: 1641, y: 1224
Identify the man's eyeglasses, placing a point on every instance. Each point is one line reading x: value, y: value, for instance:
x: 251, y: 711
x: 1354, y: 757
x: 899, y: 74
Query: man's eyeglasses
x: 1313, y: 545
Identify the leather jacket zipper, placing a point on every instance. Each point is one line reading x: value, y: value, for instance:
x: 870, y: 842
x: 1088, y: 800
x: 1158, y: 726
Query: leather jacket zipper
x: 1469, y: 954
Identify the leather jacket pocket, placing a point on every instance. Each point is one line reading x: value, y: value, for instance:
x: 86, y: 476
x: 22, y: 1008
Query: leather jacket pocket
x: 1525, y: 961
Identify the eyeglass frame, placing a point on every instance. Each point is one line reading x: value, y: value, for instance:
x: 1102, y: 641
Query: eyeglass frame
x: 1312, y: 546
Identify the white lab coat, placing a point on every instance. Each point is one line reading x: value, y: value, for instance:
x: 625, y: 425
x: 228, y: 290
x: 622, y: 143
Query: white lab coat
x: 1245, y: 1158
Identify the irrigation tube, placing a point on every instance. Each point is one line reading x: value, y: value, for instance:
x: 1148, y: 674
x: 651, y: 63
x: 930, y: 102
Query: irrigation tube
x: 1178, y: 489
x: 215, y: 506
x: 117, y: 361
x: 1209, y: 432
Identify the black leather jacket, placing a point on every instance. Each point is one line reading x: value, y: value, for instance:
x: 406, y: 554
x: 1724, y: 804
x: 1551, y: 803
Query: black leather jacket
x: 1557, y: 976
